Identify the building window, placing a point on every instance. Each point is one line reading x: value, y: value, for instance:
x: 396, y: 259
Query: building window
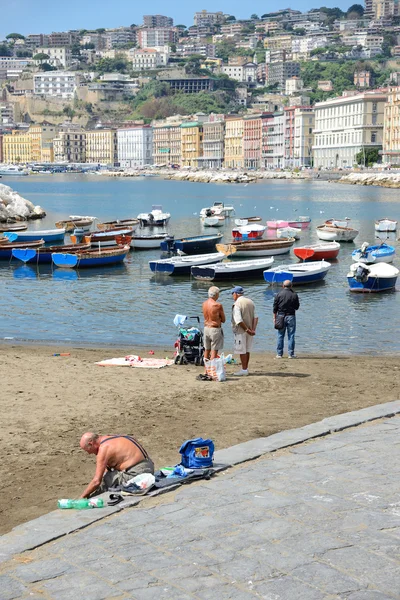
x: 373, y: 137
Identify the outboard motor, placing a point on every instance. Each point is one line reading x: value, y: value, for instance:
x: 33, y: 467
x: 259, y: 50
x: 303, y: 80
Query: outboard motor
x: 169, y: 242
x: 361, y: 274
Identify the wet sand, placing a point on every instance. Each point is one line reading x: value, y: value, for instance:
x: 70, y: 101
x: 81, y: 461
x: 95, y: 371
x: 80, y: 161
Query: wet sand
x: 47, y: 402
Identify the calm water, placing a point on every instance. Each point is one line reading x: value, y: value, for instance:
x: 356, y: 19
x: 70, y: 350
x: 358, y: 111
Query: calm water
x: 127, y: 305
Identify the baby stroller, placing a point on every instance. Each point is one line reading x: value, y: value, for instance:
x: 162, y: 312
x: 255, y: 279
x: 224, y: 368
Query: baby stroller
x: 189, y: 346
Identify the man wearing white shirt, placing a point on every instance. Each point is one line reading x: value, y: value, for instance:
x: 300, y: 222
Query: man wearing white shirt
x: 244, y: 324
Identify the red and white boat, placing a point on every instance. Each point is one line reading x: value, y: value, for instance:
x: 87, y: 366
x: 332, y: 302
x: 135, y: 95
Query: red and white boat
x: 249, y: 232
x: 327, y: 251
x: 300, y: 223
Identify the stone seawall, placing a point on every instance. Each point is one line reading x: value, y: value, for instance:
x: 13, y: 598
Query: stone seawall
x: 14, y: 207
x: 388, y: 180
x: 212, y: 176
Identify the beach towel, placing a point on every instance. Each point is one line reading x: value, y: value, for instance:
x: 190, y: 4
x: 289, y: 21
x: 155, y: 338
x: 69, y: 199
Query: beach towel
x: 137, y: 362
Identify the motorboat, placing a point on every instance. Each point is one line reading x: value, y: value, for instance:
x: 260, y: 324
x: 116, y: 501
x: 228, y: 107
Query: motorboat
x: 374, y: 254
x: 181, y: 265
x: 377, y: 277
x: 248, y: 232
x: 101, y: 257
x: 118, y: 224
x: 218, y: 208
x: 43, y: 254
x: 333, y: 233
x: 214, y: 221
x: 237, y: 270
x: 298, y: 273
x: 385, y: 225
x: 12, y: 170
x: 76, y: 221
x: 257, y: 248
x: 315, y: 252
x: 286, y: 232
x: 197, y: 244
x: 147, y: 242
x: 155, y: 218
x: 48, y: 235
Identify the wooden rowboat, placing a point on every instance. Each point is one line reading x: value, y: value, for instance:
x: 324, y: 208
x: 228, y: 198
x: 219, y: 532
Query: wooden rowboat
x: 118, y: 224
x: 101, y: 257
x: 258, y: 247
x: 315, y: 252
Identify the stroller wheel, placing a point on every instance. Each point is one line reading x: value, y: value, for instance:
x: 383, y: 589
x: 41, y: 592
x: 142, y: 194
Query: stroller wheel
x: 197, y: 361
x: 182, y: 359
x: 202, y: 361
x: 176, y: 360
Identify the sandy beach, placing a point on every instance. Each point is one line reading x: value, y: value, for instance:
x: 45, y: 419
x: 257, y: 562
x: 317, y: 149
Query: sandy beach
x: 48, y: 401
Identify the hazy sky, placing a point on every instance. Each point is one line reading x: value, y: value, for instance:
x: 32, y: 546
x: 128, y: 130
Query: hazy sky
x: 45, y: 16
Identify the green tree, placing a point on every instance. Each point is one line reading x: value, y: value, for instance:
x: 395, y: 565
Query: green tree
x: 14, y: 37
x: 355, y: 11
x: 368, y: 156
x: 24, y: 53
x: 82, y: 32
x: 41, y: 56
x: 254, y: 17
x: 88, y: 46
x: 100, y: 30
x: 110, y: 65
x: 230, y: 18
x: 5, y: 50
x: 46, y: 67
x: 69, y: 112
x: 225, y: 49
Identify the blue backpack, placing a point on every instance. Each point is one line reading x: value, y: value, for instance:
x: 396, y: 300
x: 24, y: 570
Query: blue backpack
x: 197, y: 453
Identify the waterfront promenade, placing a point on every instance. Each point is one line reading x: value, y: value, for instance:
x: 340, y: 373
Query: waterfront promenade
x: 318, y: 519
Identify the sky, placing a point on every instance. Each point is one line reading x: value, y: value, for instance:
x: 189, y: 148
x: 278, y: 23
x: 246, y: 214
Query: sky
x: 45, y: 16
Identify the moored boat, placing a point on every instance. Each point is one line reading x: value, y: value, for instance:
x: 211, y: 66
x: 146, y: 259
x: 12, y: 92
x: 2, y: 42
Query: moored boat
x: 285, y: 232
x: 6, y: 249
x: 332, y: 233
x: 181, y: 265
x: 100, y: 257
x: 155, y: 218
x: 147, y: 242
x: 48, y: 235
x: 386, y: 225
x: 298, y: 273
x: 337, y: 222
x: 43, y: 254
x: 109, y: 236
x: 75, y: 221
x: 256, y: 248
x: 226, y: 210
x: 13, y: 227
x: 197, y: 244
x: 119, y: 224
x: 245, y: 220
x: 315, y: 252
x: 378, y: 277
x: 237, y: 270
x: 214, y: 221
x: 374, y: 254
x: 248, y: 232
x: 300, y: 223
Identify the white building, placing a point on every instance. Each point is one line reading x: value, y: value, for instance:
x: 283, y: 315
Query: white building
x: 135, y: 146
x: 244, y: 73
x: 293, y: 85
x: 303, y: 136
x: 148, y: 58
x: 208, y: 18
x: 60, y: 84
x: 157, y: 36
x: 304, y: 45
x: 119, y: 37
x: 346, y: 125
x: 58, y: 57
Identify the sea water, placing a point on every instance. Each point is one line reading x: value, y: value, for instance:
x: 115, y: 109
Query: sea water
x: 128, y: 305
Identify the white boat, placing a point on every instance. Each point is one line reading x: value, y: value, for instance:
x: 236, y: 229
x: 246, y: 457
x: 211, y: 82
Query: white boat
x: 147, y: 242
x: 286, y: 232
x: 248, y: 232
x: 10, y: 170
x: 298, y: 273
x: 224, y: 209
x: 237, y: 270
x: 48, y: 235
x: 385, y: 225
x: 214, y: 221
x: 181, y: 265
x: 331, y: 233
x: 338, y: 222
x: 372, y: 278
x: 155, y: 218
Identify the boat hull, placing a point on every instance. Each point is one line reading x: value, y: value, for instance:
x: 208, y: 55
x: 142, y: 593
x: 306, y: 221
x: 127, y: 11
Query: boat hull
x: 373, y: 284
x: 336, y: 234
x: 6, y: 249
x: 259, y: 248
x: 194, y: 245
x: 385, y: 225
x: 239, y: 271
x: 297, y: 276
x: 30, y: 236
x: 181, y: 267
x: 93, y: 259
x: 314, y: 254
x: 147, y: 243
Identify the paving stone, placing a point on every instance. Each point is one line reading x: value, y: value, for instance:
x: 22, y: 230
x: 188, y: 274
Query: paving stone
x: 326, y: 579
x: 284, y: 588
x: 158, y: 592
x: 368, y: 595
x: 10, y: 589
x: 71, y: 587
x: 139, y: 582
x: 42, y: 569
x: 226, y: 592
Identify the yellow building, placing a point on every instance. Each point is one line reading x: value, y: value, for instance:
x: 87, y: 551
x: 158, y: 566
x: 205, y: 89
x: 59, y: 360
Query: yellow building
x: 33, y: 145
x: 167, y: 144
x: 279, y: 42
x: 102, y: 146
x: 234, y: 148
x: 191, y: 143
x: 391, y: 128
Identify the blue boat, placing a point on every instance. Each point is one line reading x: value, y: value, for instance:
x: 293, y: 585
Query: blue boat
x: 90, y: 258
x: 6, y: 250
x: 181, y: 265
x: 374, y: 254
x: 48, y: 235
x: 43, y: 255
x: 378, y: 277
x: 298, y: 273
x: 198, y: 244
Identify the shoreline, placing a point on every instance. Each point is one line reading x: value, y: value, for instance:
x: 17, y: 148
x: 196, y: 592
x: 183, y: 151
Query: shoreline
x: 48, y: 402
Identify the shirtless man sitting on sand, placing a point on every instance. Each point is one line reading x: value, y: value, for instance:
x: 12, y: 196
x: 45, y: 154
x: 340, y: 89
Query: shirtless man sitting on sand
x: 118, y: 459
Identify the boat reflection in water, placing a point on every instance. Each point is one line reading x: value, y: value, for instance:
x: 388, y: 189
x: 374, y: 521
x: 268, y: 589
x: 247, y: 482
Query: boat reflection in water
x: 25, y: 272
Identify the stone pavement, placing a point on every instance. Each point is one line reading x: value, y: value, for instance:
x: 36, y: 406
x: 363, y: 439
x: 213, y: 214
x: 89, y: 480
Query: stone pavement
x: 316, y: 521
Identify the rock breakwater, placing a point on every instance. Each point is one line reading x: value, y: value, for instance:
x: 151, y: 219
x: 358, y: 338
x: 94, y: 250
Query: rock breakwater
x: 14, y: 207
x: 388, y: 180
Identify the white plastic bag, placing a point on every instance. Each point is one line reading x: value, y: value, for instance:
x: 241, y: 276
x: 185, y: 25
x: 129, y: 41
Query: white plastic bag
x: 142, y: 481
x: 215, y: 368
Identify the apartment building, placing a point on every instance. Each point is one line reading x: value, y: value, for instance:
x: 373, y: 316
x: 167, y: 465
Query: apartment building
x: 381, y: 9
x: 152, y: 21
x: 135, y: 146
x: 17, y: 147
x: 213, y: 142
x: 98, y: 40
x: 346, y: 125
x: 56, y: 84
x: 293, y: 86
x: 158, y: 36
x: 167, y: 144
x: 102, y: 147
x: 273, y: 142
x: 252, y: 141
x: 303, y: 136
x: 243, y: 73
x: 148, y: 58
x: 9, y: 113
x: 58, y: 56
x: 204, y: 17
x: 70, y: 146
x: 279, y: 42
x: 279, y: 72
x: 391, y: 127
x: 191, y: 143
x: 114, y: 38
x: 234, y: 148
x: 32, y: 145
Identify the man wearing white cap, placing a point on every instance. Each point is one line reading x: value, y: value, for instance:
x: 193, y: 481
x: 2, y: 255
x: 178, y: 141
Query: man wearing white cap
x: 244, y: 324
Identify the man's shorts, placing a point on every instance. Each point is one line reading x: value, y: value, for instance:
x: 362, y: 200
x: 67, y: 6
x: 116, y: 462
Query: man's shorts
x: 243, y: 343
x: 213, y: 338
x: 115, y: 478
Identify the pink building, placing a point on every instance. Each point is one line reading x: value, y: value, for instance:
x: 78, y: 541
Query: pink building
x: 252, y: 141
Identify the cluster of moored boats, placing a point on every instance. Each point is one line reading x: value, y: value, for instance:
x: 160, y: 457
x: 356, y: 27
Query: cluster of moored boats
x: 204, y: 257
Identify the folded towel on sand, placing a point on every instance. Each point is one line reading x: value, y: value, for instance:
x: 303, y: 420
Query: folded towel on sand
x: 136, y: 361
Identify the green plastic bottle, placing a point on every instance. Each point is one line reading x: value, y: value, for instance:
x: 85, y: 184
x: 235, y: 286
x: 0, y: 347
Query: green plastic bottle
x: 81, y: 503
